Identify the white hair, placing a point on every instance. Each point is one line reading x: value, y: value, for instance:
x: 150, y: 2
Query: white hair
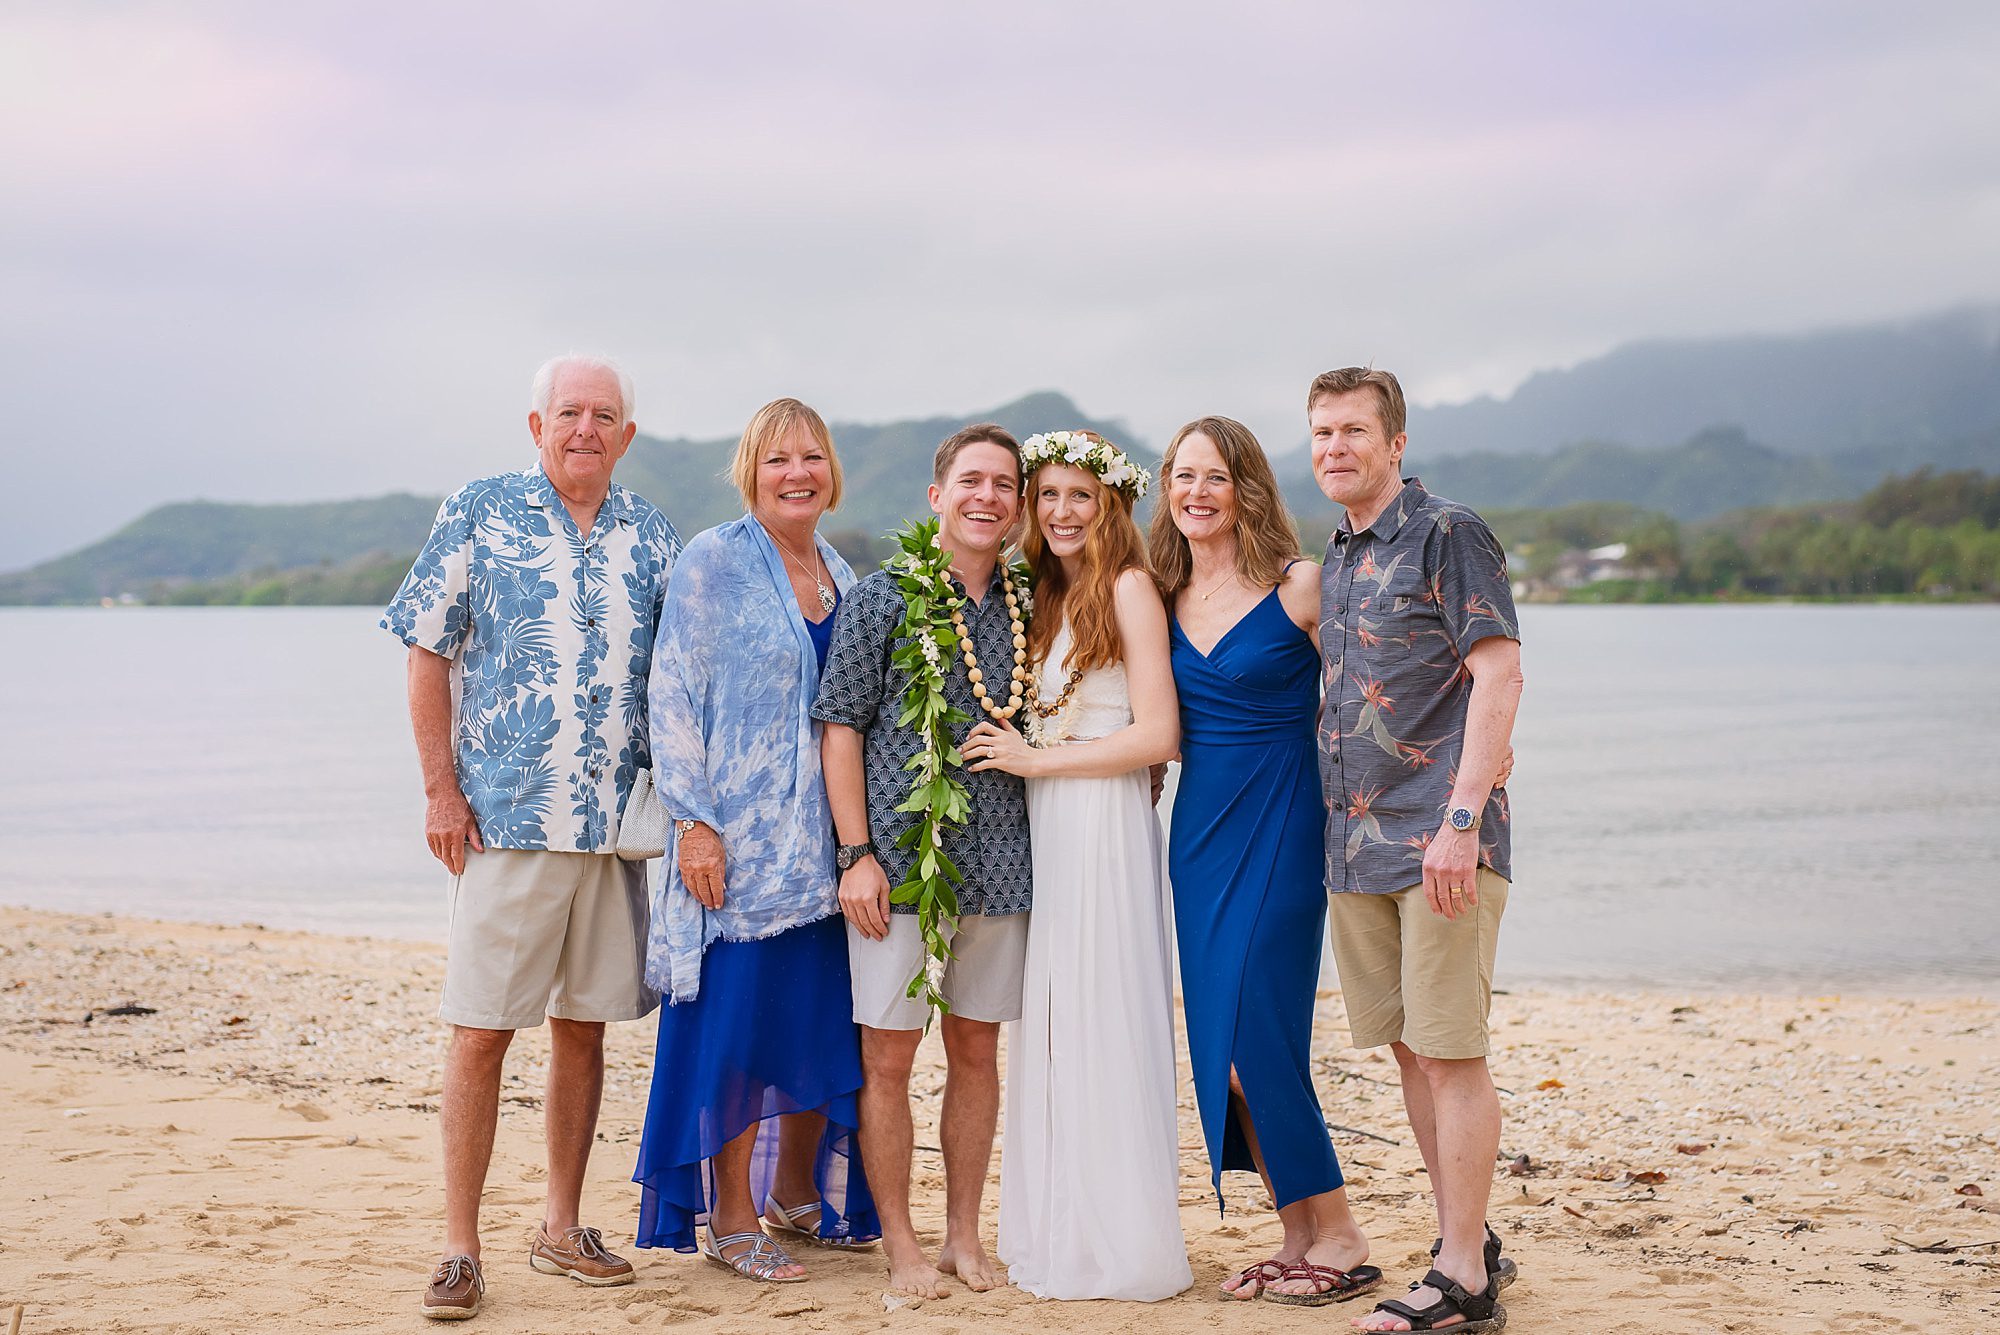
x: 544, y: 391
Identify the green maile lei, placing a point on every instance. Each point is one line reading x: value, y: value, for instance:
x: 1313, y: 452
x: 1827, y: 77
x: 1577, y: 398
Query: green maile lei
x: 927, y: 650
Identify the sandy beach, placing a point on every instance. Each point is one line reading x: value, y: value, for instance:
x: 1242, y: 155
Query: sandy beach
x: 258, y: 1150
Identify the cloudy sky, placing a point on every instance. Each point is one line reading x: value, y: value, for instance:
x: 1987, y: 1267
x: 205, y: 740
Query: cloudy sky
x: 260, y: 251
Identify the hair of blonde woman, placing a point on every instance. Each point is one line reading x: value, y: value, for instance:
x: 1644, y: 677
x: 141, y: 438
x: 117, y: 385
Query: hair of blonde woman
x: 769, y: 425
x: 1266, y: 538
x: 1111, y: 546
x: 1395, y: 414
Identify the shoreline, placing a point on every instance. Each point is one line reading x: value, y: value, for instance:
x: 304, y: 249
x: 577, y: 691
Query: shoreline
x: 260, y: 1151
x: 1886, y: 987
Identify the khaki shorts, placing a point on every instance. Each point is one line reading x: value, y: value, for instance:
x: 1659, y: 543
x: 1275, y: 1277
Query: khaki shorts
x: 535, y: 933
x: 1409, y: 976
x: 982, y: 981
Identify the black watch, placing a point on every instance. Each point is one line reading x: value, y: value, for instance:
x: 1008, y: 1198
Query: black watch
x: 846, y: 855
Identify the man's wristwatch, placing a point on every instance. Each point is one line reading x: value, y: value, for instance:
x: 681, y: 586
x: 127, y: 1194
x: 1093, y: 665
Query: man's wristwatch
x: 1463, y: 818
x: 846, y: 855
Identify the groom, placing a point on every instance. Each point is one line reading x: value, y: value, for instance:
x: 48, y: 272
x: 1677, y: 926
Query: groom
x: 976, y: 492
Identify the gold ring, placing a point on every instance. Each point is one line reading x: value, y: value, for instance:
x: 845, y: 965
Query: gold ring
x: 1458, y: 889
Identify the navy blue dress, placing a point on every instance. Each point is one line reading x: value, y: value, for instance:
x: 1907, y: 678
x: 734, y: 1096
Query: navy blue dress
x: 771, y: 1032
x: 1246, y: 854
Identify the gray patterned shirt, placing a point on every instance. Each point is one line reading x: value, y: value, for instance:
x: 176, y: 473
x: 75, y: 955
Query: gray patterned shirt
x: 861, y: 689
x: 1401, y: 603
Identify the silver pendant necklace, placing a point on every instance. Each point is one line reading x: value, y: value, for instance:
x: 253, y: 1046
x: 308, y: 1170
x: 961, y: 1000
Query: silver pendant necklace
x: 826, y: 595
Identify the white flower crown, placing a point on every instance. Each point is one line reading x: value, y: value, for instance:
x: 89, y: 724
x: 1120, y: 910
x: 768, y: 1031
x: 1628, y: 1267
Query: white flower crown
x: 1112, y: 465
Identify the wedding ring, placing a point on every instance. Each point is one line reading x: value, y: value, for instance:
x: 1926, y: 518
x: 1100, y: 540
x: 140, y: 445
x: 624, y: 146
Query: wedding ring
x: 1457, y: 890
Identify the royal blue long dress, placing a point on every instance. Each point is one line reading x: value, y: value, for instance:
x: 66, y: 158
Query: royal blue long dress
x: 1246, y: 857
x: 771, y: 1032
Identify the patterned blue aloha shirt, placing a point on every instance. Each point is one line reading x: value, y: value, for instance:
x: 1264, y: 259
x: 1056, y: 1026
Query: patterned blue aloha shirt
x: 552, y: 631
x: 735, y: 746
x: 1402, y: 602
x: 863, y: 689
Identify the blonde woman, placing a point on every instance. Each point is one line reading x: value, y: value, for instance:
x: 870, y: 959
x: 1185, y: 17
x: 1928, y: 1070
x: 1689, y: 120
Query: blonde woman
x: 1090, y: 1165
x: 748, y: 946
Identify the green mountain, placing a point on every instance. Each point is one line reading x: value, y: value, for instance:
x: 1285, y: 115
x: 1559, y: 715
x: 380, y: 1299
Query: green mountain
x: 206, y: 551
x: 1717, y: 470
x: 885, y: 466
x: 207, y: 540
x: 1811, y: 418
x: 1885, y: 387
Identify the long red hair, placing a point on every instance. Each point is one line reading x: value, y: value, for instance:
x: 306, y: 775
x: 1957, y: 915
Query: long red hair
x: 1111, y: 546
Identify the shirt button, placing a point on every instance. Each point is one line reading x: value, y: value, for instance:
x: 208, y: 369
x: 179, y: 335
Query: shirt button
x: 591, y: 622
x: 1341, y: 610
x: 593, y: 697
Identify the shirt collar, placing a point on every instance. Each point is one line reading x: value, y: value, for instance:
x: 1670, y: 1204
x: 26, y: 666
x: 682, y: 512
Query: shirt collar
x: 1390, y: 522
x: 993, y: 582
x: 541, y: 493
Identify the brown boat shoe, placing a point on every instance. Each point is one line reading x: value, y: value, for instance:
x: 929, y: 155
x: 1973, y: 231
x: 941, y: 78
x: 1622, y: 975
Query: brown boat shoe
x: 580, y: 1254
x: 456, y: 1290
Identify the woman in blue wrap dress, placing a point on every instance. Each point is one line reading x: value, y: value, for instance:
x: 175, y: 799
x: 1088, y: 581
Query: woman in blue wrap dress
x: 747, y: 944
x: 1246, y: 848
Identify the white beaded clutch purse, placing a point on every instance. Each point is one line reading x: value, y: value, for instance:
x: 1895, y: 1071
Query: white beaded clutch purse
x: 642, y: 826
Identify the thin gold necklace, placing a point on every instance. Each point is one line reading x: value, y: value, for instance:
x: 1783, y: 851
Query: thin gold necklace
x: 1217, y: 586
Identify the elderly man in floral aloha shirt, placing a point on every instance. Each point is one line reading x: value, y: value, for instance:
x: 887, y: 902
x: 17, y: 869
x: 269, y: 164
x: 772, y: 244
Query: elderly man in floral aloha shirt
x: 1422, y: 672
x: 538, y: 594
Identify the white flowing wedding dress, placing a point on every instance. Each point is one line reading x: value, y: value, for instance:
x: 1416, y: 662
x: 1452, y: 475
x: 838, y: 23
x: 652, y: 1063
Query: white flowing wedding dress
x: 1090, y: 1161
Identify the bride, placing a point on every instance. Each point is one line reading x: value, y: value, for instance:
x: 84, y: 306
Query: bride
x: 1090, y: 1163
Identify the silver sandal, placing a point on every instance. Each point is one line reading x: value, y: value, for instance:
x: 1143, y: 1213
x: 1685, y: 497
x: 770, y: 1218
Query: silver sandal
x: 761, y: 1261
x: 788, y: 1222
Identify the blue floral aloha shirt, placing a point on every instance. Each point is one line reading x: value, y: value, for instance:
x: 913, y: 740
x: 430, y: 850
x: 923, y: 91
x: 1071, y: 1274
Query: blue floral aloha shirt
x: 552, y: 631
x: 1401, y: 604
x: 736, y: 747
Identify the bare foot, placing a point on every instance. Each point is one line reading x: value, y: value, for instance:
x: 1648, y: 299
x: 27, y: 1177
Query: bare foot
x: 1417, y: 1298
x: 972, y: 1265
x: 911, y: 1273
x: 1341, y: 1253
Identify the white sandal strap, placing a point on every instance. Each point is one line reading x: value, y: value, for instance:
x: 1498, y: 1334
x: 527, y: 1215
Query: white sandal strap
x: 763, y: 1260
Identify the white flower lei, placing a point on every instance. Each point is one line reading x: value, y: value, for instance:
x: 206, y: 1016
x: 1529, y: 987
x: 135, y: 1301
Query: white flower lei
x: 937, y: 797
x: 1112, y: 465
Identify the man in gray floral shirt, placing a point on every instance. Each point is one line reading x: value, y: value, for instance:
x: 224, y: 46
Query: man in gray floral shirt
x: 1422, y: 674
x: 976, y: 492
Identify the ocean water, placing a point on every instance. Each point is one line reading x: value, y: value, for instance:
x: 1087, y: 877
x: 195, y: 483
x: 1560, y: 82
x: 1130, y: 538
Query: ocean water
x: 1768, y: 797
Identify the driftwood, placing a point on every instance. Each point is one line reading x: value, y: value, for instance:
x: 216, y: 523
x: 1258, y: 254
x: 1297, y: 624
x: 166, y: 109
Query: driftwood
x: 1357, y: 1131
x: 1942, y: 1248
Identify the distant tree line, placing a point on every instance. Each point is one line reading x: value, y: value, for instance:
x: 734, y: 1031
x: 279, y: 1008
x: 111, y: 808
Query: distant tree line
x: 367, y: 581
x: 1923, y: 533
